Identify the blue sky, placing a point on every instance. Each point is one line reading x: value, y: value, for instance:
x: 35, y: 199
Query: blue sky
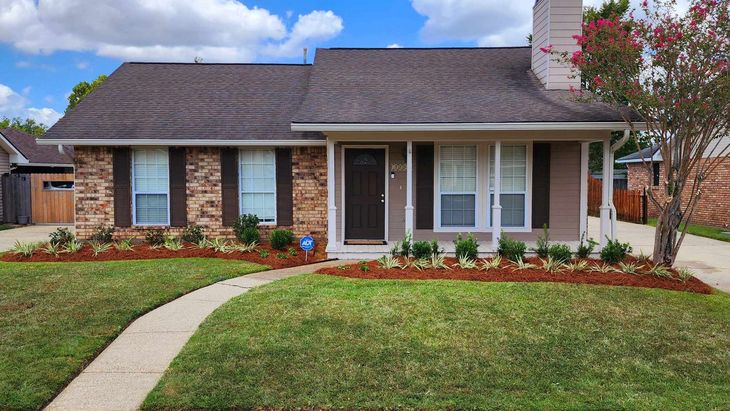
x: 46, y: 47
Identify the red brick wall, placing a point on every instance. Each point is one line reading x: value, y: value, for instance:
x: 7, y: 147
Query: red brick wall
x: 95, y: 183
x: 713, y: 208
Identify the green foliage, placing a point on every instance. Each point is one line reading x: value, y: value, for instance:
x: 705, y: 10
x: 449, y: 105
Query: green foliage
x: 659, y: 270
x: 580, y: 265
x: 282, y: 256
x: 421, y: 249
x: 173, y: 243
x: 193, y: 234
x: 103, y: 234
x: 585, y: 248
x: 73, y: 246
x: 246, y: 228
x: 615, y: 251
x: 403, y: 248
x: 438, y: 262
x: 519, y: 265
x: 52, y: 249
x: 155, y: 237
x: 560, y: 253
x: 27, y: 126
x: 491, y: 264
x: 99, y: 248
x: 364, y: 267
x: 61, y: 236
x: 543, y: 243
x: 435, y: 249
x: 280, y: 239
x: 420, y: 264
x: 551, y: 265
x: 246, y: 248
x: 250, y: 235
x: 602, y: 268
x: 124, y: 245
x: 684, y: 274
x: 25, y: 249
x: 466, y: 263
x: 630, y: 268
x: 219, y: 245
x: 388, y: 261
x: 466, y: 247
x: 292, y: 251
x: 263, y: 253
x: 510, y: 249
x: 83, y: 89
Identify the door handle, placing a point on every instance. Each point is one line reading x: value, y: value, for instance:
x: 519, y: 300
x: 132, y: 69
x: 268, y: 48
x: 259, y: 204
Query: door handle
x: 382, y: 200
x: 382, y: 195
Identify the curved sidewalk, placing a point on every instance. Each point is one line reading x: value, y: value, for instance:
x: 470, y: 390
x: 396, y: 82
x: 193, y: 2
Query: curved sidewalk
x: 129, y: 368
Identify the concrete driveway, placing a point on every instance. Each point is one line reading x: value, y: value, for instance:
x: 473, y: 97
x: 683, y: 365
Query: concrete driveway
x: 709, y: 259
x: 27, y: 234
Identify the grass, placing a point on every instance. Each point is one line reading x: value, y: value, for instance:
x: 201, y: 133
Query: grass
x: 6, y: 227
x: 701, y: 230
x: 316, y: 341
x: 54, y: 317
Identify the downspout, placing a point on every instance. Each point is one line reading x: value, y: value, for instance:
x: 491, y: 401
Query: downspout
x: 615, y: 147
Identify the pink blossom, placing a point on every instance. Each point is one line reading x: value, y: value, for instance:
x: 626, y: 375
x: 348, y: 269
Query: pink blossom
x: 547, y: 49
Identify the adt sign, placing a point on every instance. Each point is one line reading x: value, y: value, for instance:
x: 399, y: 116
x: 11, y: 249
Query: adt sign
x: 306, y: 243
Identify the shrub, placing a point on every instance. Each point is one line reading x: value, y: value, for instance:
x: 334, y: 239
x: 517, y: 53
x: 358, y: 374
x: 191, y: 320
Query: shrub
x: 280, y: 239
x: 615, y: 251
x: 61, y: 236
x: 435, y: 249
x: 124, y: 245
x: 25, y: 249
x: 193, y: 234
x: 403, y: 248
x: 585, y: 248
x: 466, y: 247
x: 513, y: 250
x: 244, y: 222
x: 421, y: 250
x: 72, y: 246
x: 263, y: 253
x: 102, y: 234
x: 99, y: 248
x: 155, y: 237
x: 292, y: 251
x: 543, y: 243
x: 250, y: 235
x: 282, y: 256
x: 560, y: 253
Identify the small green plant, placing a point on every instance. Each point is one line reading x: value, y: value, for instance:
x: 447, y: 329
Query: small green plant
x: 155, y: 237
x: 173, y: 244
x: 52, y: 249
x: 282, y: 256
x: 124, y: 245
x: 510, y: 249
x: 246, y: 228
x: 404, y: 247
x: 585, y: 248
x: 614, y: 251
x: 98, y: 248
x: 551, y: 265
x: 72, y: 246
x: 103, y: 234
x: 660, y: 271
x: 219, y: 245
x: 580, y: 265
x: 643, y: 258
x: 491, y: 264
x: 466, y: 247
x: 193, y: 234
x: 520, y: 265
x: 420, y: 264
x: 343, y: 267
x: 250, y: 235
x: 280, y: 239
x: 438, y: 262
x: 684, y: 274
x: 25, y: 249
x: 630, y: 268
x: 263, y: 253
x: 602, y: 268
x: 435, y: 249
x: 543, y: 243
x: 204, y: 243
x: 421, y: 250
x: 61, y: 236
x: 245, y: 248
x: 466, y: 263
x: 364, y: 267
x: 389, y: 262
x: 560, y: 253
x: 292, y: 251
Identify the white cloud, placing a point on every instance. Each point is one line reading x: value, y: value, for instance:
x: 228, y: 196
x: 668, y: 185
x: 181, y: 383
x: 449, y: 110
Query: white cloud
x: 395, y: 46
x: 82, y: 65
x: 13, y: 104
x: 217, y: 30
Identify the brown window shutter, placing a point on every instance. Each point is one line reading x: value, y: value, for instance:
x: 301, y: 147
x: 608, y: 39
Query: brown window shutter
x: 424, y: 187
x: 178, y: 193
x: 540, y: 185
x: 284, y: 199
x: 122, y: 175
x: 229, y: 185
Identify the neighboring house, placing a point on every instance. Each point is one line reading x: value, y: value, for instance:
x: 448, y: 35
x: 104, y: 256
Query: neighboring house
x: 21, y: 154
x: 358, y: 149
x: 713, y: 208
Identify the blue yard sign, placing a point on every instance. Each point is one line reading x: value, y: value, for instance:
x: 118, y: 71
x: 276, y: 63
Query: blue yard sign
x: 307, y: 244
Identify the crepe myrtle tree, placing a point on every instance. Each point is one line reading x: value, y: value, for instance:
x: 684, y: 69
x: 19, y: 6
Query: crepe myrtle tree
x: 672, y: 70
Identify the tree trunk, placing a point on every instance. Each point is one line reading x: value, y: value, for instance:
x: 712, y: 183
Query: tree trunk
x: 665, y: 236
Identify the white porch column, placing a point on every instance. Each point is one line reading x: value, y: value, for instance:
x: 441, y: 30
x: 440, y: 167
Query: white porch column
x: 606, y: 193
x: 496, y: 205
x: 409, y: 186
x: 584, y: 153
x: 331, y: 208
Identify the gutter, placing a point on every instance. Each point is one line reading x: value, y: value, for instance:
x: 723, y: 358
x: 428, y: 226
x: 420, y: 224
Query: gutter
x: 567, y: 125
x: 615, y: 147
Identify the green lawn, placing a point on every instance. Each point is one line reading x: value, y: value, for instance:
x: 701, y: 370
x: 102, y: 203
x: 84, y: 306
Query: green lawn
x: 4, y: 227
x: 54, y: 317
x: 330, y: 342
x: 701, y: 230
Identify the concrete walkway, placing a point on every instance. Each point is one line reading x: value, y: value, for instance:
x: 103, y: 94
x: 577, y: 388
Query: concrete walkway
x: 125, y: 372
x: 27, y: 234
x: 709, y: 259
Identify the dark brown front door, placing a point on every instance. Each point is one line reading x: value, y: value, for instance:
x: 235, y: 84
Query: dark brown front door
x: 364, y: 194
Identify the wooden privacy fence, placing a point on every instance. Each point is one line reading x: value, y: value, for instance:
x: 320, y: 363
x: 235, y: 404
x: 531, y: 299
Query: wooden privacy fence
x: 52, y: 198
x: 630, y: 204
x: 16, y: 198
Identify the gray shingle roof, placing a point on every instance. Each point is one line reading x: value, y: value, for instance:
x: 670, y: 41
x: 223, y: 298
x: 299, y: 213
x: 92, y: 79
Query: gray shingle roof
x: 442, y: 85
x: 191, y: 101
x: 646, y: 153
x: 36, y: 154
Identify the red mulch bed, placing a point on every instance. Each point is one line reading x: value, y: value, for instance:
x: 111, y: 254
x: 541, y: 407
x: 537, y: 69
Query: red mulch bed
x: 144, y: 252
x: 506, y: 274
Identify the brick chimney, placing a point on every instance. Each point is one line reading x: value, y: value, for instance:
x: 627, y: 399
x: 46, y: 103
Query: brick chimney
x: 554, y: 22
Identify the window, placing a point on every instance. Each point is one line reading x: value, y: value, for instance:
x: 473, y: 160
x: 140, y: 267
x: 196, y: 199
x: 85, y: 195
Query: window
x: 258, y: 184
x: 58, y: 185
x: 150, y: 187
x: 514, y: 184
x: 458, y: 185
x: 655, y: 174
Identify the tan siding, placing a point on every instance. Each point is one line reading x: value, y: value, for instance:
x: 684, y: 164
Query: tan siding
x: 565, y: 191
x: 554, y: 23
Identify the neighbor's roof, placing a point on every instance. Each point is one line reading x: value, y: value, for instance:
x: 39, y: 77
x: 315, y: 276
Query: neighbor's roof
x: 35, y: 153
x: 646, y: 153
x: 191, y: 101
x: 440, y: 85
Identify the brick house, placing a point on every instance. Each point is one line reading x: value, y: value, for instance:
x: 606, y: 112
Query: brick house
x: 359, y: 148
x: 713, y: 208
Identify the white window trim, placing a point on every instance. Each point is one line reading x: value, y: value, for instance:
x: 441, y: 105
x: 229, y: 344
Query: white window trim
x: 134, y: 189
x: 240, y: 188
x: 528, y: 189
x: 477, y: 216
x: 482, y: 223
